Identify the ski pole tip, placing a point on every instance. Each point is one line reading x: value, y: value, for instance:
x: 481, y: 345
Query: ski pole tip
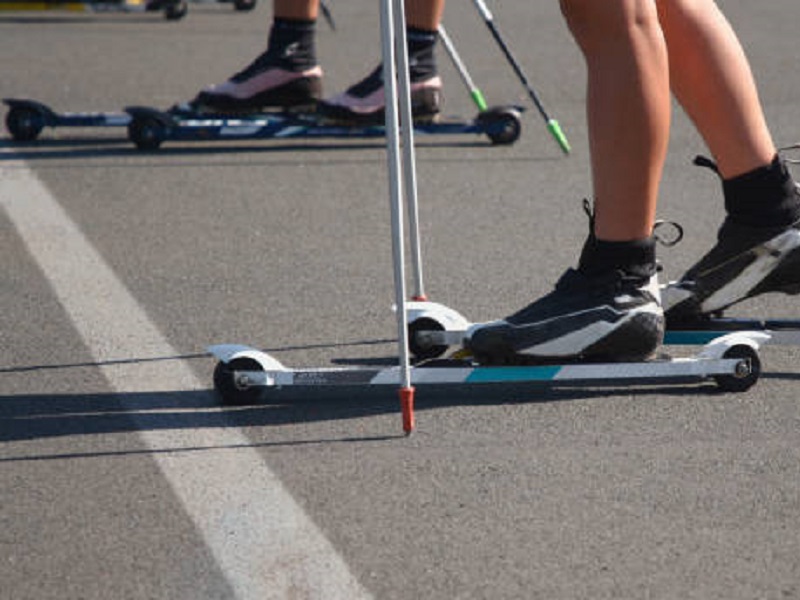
x: 479, y: 100
x: 555, y: 130
x: 407, y: 408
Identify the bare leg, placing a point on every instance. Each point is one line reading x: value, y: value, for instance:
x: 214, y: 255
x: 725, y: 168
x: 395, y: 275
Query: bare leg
x: 628, y: 109
x: 424, y: 14
x: 718, y: 92
x: 298, y: 10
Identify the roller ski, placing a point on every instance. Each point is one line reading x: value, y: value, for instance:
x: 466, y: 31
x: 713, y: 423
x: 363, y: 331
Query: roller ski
x: 149, y: 128
x: 585, y: 334
x: 172, y: 9
x: 590, y: 332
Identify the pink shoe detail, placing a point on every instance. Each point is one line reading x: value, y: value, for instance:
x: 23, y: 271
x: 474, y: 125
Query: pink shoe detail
x: 376, y: 101
x: 262, y: 82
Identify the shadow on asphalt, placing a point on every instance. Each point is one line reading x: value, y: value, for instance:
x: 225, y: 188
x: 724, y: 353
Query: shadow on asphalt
x: 33, y: 417
x: 88, y: 148
x: 37, y: 416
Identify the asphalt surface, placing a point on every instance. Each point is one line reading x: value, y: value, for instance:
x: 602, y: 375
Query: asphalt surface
x: 120, y: 267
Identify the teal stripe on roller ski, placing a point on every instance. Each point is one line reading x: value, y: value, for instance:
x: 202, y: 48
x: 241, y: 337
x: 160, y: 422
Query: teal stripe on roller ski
x: 691, y: 338
x: 508, y: 374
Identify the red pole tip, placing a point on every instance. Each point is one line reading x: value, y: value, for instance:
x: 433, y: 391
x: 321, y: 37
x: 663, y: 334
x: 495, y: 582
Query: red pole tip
x: 419, y: 298
x: 407, y: 408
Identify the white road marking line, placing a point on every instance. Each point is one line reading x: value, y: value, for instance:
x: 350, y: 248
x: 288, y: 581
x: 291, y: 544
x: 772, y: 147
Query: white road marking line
x: 262, y: 540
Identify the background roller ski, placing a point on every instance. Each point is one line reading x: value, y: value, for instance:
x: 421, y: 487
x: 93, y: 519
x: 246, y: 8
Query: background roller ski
x: 172, y: 9
x: 149, y: 128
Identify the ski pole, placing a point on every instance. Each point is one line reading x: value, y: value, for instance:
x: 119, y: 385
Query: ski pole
x: 552, y: 125
x: 326, y: 12
x: 474, y: 92
x: 391, y: 11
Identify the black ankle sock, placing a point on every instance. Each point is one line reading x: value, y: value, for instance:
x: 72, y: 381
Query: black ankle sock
x: 636, y: 257
x: 421, y: 58
x: 763, y: 197
x: 302, y: 34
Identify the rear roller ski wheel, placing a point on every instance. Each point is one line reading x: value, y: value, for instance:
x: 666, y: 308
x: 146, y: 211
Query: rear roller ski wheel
x: 236, y: 390
x: 24, y: 124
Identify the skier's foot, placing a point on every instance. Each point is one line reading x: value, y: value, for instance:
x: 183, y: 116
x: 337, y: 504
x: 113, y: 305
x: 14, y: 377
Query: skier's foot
x: 364, y: 102
x: 755, y: 253
x: 606, y: 309
x: 286, y: 75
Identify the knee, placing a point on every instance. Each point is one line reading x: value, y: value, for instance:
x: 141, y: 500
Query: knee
x: 600, y: 22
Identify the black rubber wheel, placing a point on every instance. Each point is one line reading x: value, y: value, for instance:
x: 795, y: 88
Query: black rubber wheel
x: 747, y: 375
x: 244, y: 4
x: 503, y: 126
x: 146, y: 132
x: 232, y: 392
x: 420, y: 350
x: 176, y: 10
x: 24, y: 124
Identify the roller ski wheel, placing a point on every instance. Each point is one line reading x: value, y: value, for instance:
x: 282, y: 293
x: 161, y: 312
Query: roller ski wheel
x: 236, y: 390
x: 147, y: 133
x: 24, y: 123
x: 747, y: 372
x: 503, y: 125
x: 175, y: 11
x: 419, y: 347
x: 244, y: 5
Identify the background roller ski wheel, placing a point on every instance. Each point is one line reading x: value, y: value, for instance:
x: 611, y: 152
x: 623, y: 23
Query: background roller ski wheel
x: 503, y: 125
x: 745, y: 377
x: 232, y: 392
x: 244, y: 4
x: 24, y: 123
x: 176, y: 10
x: 147, y: 133
x: 419, y: 349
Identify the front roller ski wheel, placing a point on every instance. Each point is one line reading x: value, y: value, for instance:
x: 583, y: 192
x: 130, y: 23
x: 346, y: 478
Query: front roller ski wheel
x: 147, y: 133
x: 417, y: 345
x: 747, y: 372
x: 176, y: 10
x: 244, y: 4
x: 24, y: 123
x: 236, y: 390
x: 503, y: 125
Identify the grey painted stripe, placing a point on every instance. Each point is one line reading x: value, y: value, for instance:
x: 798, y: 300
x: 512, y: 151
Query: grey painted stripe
x: 262, y: 540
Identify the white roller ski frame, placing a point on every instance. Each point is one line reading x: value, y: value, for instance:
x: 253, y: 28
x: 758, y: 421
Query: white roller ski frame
x: 245, y: 375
